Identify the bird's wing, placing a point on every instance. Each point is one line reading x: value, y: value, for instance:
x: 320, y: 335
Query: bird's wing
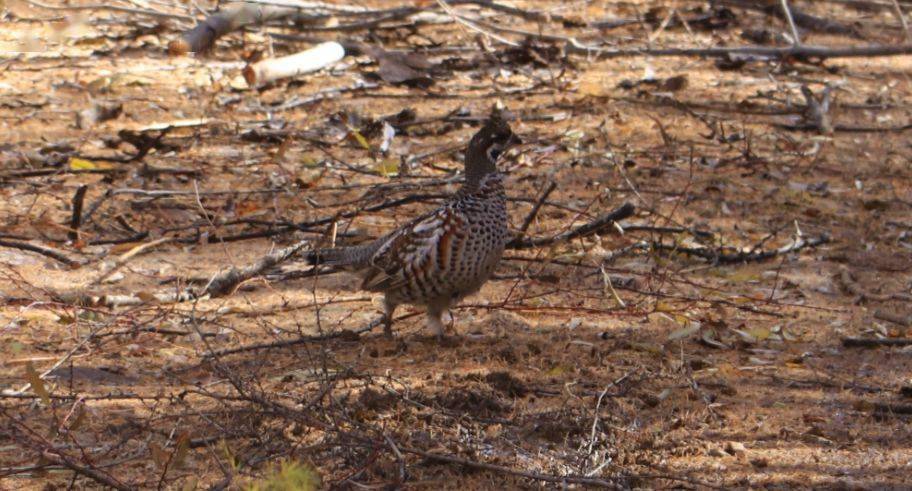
x: 413, y: 250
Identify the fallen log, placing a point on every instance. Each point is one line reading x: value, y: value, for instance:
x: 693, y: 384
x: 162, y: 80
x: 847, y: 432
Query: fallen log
x: 311, y: 60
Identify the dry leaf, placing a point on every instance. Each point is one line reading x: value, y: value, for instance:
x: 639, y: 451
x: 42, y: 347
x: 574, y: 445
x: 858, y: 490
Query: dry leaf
x: 662, y: 306
x: 37, y: 384
x: 387, y: 167
x: 159, y: 456
x: 180, y: 453
x: 760, y: 333
x: 82, y: 164
x: 359, y: 138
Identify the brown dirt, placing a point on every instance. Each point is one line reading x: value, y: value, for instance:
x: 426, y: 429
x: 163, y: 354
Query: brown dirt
x: 729, y: 375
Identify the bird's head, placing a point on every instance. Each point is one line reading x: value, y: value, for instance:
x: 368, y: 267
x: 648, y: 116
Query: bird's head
x: 495, y: 138
x: 488, y: 144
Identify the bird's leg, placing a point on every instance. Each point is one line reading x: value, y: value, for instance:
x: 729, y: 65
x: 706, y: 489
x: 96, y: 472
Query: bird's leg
x: 434, y: 321
x: 388, y: 308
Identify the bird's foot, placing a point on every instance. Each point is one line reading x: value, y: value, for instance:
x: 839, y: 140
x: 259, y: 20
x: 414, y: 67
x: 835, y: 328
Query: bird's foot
x: 450, y: 320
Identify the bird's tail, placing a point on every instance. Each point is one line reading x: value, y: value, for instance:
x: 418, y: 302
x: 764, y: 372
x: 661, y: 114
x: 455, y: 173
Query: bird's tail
x: 352, y: 257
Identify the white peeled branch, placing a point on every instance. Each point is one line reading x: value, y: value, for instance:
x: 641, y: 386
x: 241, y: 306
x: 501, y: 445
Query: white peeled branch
x: 313, y: 59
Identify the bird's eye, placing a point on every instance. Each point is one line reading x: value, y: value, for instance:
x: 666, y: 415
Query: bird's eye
x: 494, y: 151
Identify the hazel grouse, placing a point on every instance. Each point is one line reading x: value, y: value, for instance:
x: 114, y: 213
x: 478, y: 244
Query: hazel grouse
x: 443, y: 256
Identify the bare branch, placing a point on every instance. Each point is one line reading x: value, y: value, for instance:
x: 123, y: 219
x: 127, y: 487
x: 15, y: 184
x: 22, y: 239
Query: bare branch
x: 563, y: 480
x: 796, y: 38
x: 875, y: 342
x: 45, y: 251
x: 76, y: 217
x: 717, y: 257
x: 225, y: 282
x: 90, y: 472
x: 535, y: 208
x: 595, y: 226
x: 804, y: 51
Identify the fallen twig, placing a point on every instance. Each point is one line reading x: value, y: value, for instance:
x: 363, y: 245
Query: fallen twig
x: 563, y: 480
x: 125, y: 257
x: 787, y: 13
x: 841, y: 128
x: 472, y: 25
x: 234, y: 16
x: 231, y: 17
x: 44, y: 251
x: 902, y: 20
x: 803, y: 51
x: 882, y: 408
x: 112, y: 8
x: 313, y: 59
x: 225, y: 282
x: 899, y: 319
x: 76, y: 217
x: 874, y: 342
x: 848, y: 282
x: 718, y: 257
x: 82, y: 299
x: 50, y: 171
x: 536, y: 207
x: 90, y: 472
x: 593, y: 227
x: 795, y: 17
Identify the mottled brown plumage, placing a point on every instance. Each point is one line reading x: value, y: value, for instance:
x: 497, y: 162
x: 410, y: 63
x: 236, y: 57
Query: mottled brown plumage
x: 439, y: 258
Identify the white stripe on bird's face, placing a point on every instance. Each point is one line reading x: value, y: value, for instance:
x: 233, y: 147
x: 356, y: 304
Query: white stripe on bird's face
x: 494, y: 151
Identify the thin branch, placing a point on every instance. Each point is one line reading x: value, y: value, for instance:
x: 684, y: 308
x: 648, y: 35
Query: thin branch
x: 112, y: 8
x: 76, y: 217
x: 225, y: 282
x: 125, y: 257
x: 796, y: 38
x: 902, y: 20
x: 895, y: 318
x: 472, y: 25
x: 91, y: 473
x: 535, y: 208
x: 595, y: 226
x: 795, y: 17
x: 874, y: 342
x: 765, y: 52
x: 44, y: 251
x: 563, y: 480
x: 717, y: 257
